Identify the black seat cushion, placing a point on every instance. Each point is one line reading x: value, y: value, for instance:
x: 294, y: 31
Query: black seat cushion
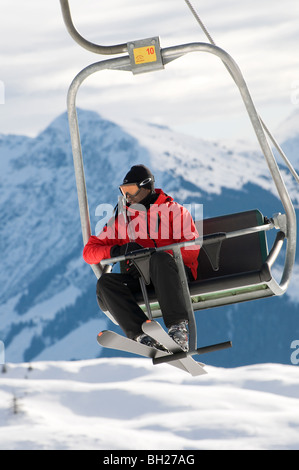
x: 241, y: 258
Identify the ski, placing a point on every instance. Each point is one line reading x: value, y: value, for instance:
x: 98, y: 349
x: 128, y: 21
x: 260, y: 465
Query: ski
x: 155, y: 330
x: 112, y: 340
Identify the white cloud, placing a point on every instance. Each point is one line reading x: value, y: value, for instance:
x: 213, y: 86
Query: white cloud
x: 40, y: 60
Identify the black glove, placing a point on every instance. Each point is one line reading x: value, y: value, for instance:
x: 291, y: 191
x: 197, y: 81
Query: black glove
x: 120, y: 250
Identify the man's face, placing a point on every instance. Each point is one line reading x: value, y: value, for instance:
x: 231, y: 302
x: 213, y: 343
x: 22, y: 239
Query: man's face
x: 142, y: 194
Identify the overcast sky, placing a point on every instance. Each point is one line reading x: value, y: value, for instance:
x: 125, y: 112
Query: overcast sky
x: 195, y: 93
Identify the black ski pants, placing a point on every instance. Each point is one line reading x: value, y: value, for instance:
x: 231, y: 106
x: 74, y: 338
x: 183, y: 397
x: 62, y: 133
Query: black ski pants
x: 116, y: 292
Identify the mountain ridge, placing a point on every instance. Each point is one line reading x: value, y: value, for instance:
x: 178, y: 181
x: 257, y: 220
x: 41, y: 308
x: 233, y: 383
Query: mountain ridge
x: 48, y: 292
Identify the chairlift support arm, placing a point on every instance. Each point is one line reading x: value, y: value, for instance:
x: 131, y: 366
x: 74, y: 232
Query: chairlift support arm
x: 96, y: 48
x: 285, y: 223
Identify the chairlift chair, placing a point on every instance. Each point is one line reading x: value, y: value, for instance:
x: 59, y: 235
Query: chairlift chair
x: 234, y: 262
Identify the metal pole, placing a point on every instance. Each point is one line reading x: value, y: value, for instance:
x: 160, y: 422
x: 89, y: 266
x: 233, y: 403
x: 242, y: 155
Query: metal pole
x: 182, y: 355
x: 105, y: 50
x: 185, y: 288
x: 145, y: 297
x: 77, y: 150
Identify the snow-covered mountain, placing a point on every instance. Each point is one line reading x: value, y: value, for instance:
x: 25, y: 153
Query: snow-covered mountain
x: 288, y: 134
x: 127, y: 404
x: 48, y: 309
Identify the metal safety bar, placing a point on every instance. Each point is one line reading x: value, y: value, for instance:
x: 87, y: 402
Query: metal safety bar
x: 206, y: 239
x: 181, y: 355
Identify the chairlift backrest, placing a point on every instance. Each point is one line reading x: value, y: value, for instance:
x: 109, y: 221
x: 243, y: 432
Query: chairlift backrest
x: 237, y: 255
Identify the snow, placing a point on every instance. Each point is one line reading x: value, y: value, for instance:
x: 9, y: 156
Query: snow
x: 129, y: 404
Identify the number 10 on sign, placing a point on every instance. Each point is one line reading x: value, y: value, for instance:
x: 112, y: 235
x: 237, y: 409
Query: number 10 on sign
x: 144, y: 55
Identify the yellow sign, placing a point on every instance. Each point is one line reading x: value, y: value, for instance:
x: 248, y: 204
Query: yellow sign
x: 143, y: 55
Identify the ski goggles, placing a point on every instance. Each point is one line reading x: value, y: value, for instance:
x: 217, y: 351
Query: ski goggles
x: 133, y: 188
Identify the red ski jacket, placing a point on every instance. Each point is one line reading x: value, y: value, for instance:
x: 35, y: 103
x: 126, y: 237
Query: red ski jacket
x: 164, y: 223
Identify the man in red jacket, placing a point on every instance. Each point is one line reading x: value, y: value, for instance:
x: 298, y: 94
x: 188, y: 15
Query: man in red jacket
x: 151, y: 219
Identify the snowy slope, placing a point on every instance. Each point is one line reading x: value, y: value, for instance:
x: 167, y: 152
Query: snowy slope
x: 129, y: 404
x: 289, y: 136
x: 212, y: 167
x: 48, y: 309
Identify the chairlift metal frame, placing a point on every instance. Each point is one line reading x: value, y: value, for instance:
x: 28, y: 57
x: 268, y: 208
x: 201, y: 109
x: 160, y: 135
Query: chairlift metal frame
x: 285, y: 223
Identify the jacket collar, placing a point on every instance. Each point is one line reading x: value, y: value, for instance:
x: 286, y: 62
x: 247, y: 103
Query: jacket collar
x: 154, y: 200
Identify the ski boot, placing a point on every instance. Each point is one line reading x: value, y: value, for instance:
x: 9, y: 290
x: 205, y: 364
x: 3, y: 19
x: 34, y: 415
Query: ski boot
x: 179, y: 334
x: 151, y: 342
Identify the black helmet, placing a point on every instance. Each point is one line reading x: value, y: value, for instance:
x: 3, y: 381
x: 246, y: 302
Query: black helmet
x: 140, y: 174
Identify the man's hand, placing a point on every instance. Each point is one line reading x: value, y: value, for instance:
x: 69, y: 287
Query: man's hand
x: 120, y: 250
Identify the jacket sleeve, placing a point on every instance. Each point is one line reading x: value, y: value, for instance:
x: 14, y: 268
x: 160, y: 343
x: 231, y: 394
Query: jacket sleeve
x: 98, y: 247
x: 94, y: 250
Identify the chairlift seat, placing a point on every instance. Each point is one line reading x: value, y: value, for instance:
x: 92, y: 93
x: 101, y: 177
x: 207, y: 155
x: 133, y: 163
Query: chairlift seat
x: 243, y: 273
